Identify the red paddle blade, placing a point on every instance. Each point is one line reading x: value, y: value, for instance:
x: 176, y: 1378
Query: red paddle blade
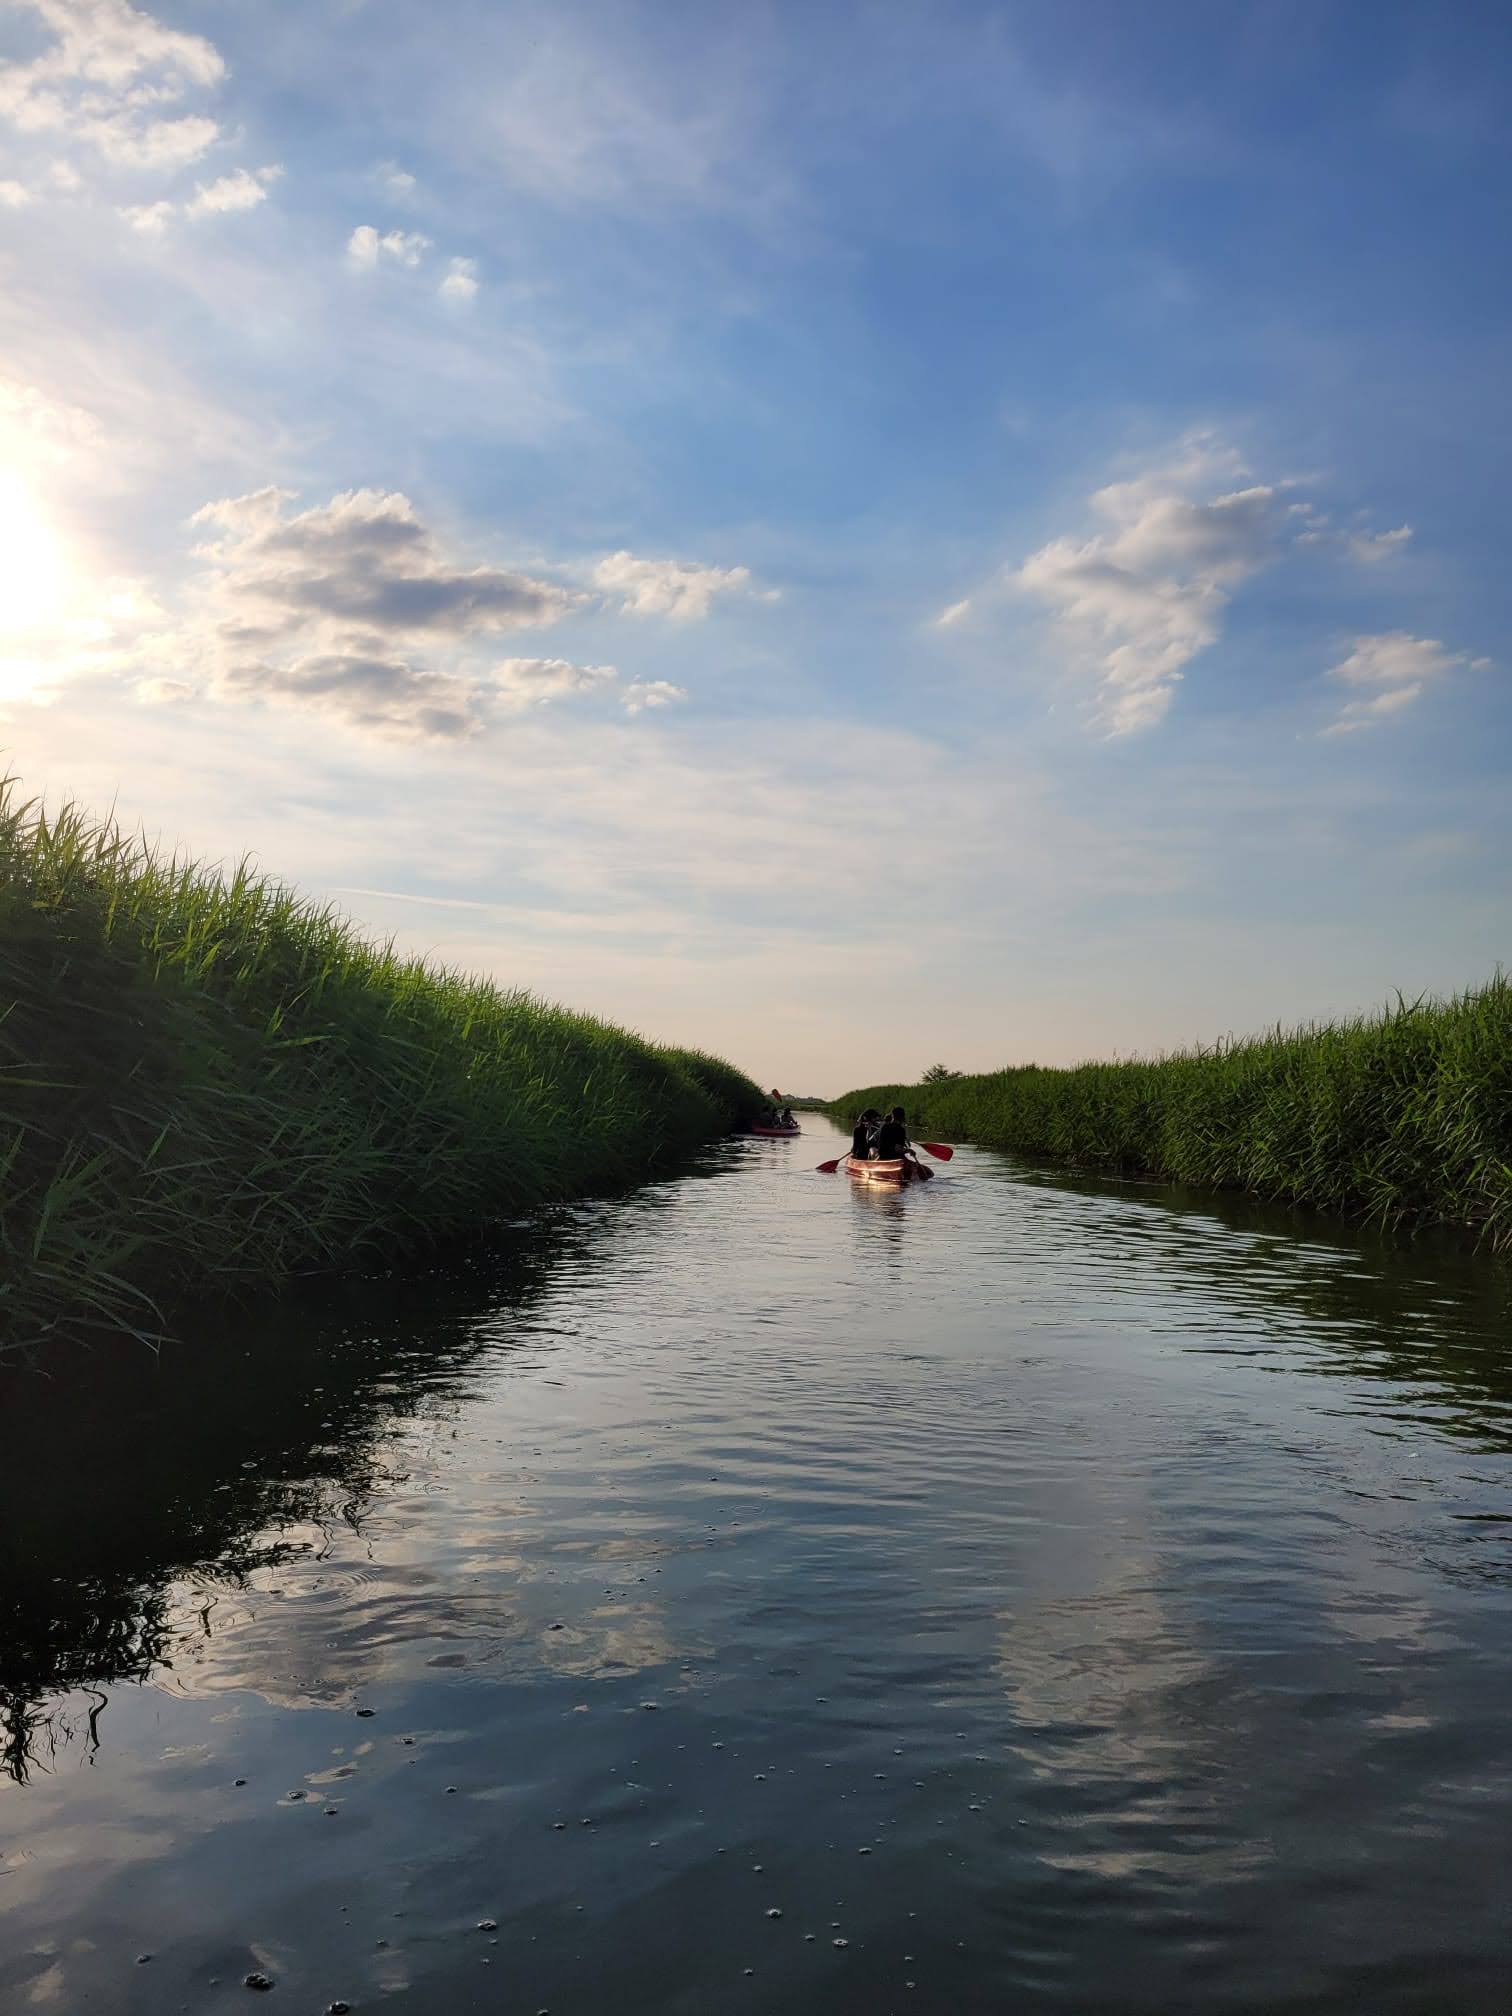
x: 829, y: 1168
x: 938, y: 1149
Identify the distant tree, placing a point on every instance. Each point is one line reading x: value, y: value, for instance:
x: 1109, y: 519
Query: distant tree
x: 937, y: 1074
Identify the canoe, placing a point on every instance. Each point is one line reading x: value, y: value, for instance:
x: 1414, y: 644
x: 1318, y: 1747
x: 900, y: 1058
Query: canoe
x: 900, y: 1171
x: 777, y: 1133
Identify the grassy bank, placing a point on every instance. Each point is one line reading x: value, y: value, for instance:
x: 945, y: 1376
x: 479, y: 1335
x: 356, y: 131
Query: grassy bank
x: 1404, y: 1118
x: 207, y: 1084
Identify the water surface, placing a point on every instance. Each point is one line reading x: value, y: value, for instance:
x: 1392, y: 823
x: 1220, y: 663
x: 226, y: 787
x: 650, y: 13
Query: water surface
x: 763, y: 1593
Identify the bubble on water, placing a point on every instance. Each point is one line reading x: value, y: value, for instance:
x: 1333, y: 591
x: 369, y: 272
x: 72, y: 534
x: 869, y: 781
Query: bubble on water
x: 558, y: 1826
x: 238, y: 1781
x: 338, y: 2008
x: 774, y: 1911
x: 839, y: 1942
x: 143, y: 1958
x: 650, y: 1705
x: 366, y: 1714
x: 261, y: 1982
x: 863, y: 1851
x: 488, y: 1924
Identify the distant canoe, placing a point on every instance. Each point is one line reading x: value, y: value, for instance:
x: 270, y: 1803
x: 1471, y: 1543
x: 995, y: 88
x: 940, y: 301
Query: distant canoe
x: 776, y: 1133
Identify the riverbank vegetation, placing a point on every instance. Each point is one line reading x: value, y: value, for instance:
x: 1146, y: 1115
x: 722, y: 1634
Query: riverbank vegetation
x: 208, y: 1083
x: 1402, y: 1118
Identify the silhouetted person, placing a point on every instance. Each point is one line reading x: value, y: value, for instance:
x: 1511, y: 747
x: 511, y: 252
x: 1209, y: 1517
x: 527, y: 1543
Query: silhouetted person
x: 864, y: 1134
x: 892, y: 1138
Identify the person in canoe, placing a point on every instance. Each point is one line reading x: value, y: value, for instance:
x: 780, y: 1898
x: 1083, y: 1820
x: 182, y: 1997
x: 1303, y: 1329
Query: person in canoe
x: 863, y: 1135
x: 891, y: 1142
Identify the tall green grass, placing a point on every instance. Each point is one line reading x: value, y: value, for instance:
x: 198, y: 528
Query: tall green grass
x: 1403, y: 1118
x: 208, y: 1083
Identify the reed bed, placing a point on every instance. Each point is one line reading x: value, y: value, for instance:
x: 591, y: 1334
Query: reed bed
x: 208, y: 1083
x: 1403, y: 1118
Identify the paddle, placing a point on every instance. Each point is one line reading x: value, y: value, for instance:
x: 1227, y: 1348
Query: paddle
x: 829, y: 1168
x: 938, y: 1149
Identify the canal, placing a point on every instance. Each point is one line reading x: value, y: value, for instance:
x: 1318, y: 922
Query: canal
x: 763, y: 1593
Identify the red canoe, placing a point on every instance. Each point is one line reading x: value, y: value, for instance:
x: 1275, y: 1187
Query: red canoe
x: 900, y: 1171
x: 777, y: 1133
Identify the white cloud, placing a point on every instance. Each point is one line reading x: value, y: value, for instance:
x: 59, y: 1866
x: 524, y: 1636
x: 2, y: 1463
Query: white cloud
x: 1372, y: 547
x: 956, y: 613
x: 643, y: 693
x: 151, y: 219
x: 164, y: 692
x: 537, y: 681
x: 679, y: 589
x: 354, y: 608
x: 367, y: 248
x: 461, y: 282
x: 14, y: 196
x: 1400, y: 666
x: 397, y: 183
x: 104, y: 80
x: 1141, y: 598
x: 1395, y: 659
x: 243, y: 190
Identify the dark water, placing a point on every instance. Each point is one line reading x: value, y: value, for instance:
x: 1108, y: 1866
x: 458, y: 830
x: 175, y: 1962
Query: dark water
x: 760, y: 1594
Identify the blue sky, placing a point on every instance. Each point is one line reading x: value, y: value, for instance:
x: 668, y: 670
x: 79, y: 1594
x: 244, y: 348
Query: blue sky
x: 850, y: 535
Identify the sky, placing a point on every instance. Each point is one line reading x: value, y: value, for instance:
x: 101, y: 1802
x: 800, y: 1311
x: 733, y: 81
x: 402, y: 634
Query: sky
x: 851, y: 536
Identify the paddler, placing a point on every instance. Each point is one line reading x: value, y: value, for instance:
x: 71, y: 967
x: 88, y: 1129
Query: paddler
x: 863, y: 1135
x: 892, y: 1142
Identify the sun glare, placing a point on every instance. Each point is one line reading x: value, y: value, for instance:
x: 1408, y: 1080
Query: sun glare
x: 32, y: 569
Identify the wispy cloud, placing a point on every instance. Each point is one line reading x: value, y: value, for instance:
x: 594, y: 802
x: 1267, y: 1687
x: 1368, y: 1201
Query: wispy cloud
x: 106, y: 81
x: 243, y: 189
x: 1140, y: 599
x: 538, y: 681
x: 1395, y: 668
x: 396, y: 183
x: 1373, y: 547
x: 679, y: 589
x: 461, y: 282
x: 368, y: 248
x: 643, y: 693
x: 1142, y: 595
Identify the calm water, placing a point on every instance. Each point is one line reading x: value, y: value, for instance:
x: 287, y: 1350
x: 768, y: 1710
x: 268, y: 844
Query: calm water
x: 762, y: 1594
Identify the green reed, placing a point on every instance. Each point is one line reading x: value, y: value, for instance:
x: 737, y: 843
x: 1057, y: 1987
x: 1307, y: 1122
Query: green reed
x: 1403, y: 1118
x: 208, y: 1083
